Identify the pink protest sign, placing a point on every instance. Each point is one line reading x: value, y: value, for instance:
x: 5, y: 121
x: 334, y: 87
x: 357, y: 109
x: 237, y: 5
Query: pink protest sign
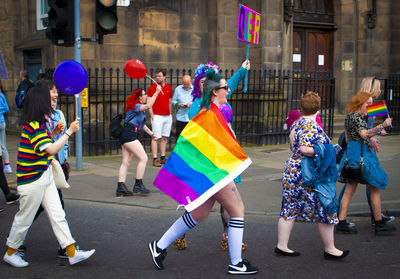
x: 248, y: 25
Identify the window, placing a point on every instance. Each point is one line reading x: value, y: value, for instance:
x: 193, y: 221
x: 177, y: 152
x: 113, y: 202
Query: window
x: 42, y: 9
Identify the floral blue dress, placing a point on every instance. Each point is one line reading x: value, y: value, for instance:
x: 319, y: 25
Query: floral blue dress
x: 299, y: 201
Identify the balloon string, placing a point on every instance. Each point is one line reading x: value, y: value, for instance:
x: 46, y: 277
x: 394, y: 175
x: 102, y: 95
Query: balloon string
x: 154, y: 82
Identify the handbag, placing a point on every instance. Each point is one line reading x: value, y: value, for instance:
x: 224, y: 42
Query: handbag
x: 353, y: 173
x: 58, y: 175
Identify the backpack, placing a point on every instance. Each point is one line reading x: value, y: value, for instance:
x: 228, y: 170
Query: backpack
x: 21, y: 92
x: 115, y: 127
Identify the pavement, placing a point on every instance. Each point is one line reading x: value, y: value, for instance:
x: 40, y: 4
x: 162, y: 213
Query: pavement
x: 260, y: 187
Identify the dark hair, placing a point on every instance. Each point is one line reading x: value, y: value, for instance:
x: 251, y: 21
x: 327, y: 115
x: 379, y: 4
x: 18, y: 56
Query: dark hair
x: 40, y: 76
x: 37, y: 105
x: 163, y: 71
x: 310, y: 103
x: 212, y: 82
x: 46, y: 84
x: 133, y: 99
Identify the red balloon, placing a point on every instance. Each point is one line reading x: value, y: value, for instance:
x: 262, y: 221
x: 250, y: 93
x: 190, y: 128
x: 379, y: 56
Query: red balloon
x: 135, y: 69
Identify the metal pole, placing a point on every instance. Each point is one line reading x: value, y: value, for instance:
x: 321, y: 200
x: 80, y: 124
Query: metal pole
x: 78, y: 109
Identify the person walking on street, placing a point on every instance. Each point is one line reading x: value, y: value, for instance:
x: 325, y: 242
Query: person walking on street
x: 182, y: 100
x: 371, y: 85
x: 359, y: 144
x: 216, y: 90
x: 4, y: 109
x: 301, y: 202
x: 161, y: 118
x: 136, y: 105
x: 36, y: 182
x: 226, y: 110
x: 53, y: 124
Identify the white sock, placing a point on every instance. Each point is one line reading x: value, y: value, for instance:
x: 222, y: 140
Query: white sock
x: 235, y: 239
x: 181, y: 226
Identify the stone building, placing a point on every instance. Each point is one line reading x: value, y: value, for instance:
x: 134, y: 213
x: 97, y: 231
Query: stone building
x: 350, y: 38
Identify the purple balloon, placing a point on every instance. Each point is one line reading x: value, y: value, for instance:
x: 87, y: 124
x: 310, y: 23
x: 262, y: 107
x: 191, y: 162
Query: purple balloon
x: 71, y: 77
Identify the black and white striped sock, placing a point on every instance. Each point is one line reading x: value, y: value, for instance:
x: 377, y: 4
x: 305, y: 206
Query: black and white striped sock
x: 235, y: 239
x: 181, y: 226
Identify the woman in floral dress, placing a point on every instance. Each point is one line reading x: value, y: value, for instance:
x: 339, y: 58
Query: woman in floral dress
x: 298, y: 201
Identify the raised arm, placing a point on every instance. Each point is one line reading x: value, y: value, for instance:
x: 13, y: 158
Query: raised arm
x: 150, y: 101
x: 234, y: 81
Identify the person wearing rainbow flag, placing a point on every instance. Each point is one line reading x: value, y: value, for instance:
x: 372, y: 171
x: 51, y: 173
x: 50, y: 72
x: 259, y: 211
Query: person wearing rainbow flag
x: 226, y: 110
x: 359, y: 140
x: 200, y: 171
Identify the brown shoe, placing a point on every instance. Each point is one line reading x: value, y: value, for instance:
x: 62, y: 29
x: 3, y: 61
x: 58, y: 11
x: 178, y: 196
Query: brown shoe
x: 156, y: 162
x: 163, y: 161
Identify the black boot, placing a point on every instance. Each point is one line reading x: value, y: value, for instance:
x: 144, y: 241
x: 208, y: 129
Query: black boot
x: 382, y: 228
x: 122, y: 191
x: 139, y: 187
x: 344, y: 227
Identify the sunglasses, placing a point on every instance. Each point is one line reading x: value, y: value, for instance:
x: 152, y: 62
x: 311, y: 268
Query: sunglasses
x: 224, y: 87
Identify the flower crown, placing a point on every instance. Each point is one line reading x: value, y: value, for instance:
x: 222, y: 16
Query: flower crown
x: 202, y: 69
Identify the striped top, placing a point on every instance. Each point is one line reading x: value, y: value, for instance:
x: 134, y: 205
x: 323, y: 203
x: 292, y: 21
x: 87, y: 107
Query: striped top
x: 31, y: 162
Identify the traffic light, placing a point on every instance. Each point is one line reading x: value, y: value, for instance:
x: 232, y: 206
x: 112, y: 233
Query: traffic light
x: 106, y: 17
x: 61, y: 23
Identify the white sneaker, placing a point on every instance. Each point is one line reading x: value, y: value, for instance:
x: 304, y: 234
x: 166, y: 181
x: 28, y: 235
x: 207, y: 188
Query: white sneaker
x: 80, y: 255
x: 15, y: 260
x: 7, y: 169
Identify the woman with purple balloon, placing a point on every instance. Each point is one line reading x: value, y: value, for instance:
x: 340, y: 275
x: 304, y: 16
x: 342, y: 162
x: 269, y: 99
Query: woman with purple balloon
x: 226, y: 111
x: 35, y: 180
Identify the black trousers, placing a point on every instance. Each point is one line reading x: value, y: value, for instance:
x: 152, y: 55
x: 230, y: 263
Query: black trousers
x: 180, y: 125
x: 3, y: 180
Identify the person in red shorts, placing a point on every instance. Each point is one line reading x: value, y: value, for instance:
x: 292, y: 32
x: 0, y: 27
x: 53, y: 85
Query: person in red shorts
x: 161, y: 118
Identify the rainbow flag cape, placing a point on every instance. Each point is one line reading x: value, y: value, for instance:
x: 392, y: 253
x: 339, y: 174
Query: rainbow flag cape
x: 378, y: 109
x: 205, y: 159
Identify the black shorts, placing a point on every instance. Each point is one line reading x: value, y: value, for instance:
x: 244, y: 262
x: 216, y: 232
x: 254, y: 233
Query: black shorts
x: 128, y: 134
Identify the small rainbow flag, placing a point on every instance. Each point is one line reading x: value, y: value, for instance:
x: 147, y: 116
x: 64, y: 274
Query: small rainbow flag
x: 378, y: 109
x: 205, y: 159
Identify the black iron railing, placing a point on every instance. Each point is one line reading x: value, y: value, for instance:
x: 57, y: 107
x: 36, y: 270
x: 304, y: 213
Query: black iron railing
x: 258, y: 115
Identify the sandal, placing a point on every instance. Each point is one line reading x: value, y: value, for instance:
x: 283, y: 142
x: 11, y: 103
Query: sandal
x: 224, y: 243
x: 181, y: 243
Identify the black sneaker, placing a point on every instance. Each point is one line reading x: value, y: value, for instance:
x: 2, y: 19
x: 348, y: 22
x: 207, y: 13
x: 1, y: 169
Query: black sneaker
x: 386, y: 219
x: 382, y: 228
x: 62, y: 253
x: 11, y: 198
x: 243, y: 267
x: 345, y: 228
x: 157, y: 254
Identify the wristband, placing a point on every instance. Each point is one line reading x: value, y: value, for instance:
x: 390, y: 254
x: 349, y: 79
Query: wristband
x: 67, y: 134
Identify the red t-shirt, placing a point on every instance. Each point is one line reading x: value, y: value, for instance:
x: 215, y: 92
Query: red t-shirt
x: 161, y: 105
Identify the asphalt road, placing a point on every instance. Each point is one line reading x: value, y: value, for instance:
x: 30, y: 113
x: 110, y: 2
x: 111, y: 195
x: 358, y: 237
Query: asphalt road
x: 120, y: 235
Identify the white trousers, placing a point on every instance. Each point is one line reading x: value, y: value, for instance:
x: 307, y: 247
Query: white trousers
x: 42, y: 191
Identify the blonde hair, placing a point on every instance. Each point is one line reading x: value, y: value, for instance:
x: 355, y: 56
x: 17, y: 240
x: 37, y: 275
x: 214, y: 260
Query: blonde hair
x: 356, y: 101
x: 372, y: 86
